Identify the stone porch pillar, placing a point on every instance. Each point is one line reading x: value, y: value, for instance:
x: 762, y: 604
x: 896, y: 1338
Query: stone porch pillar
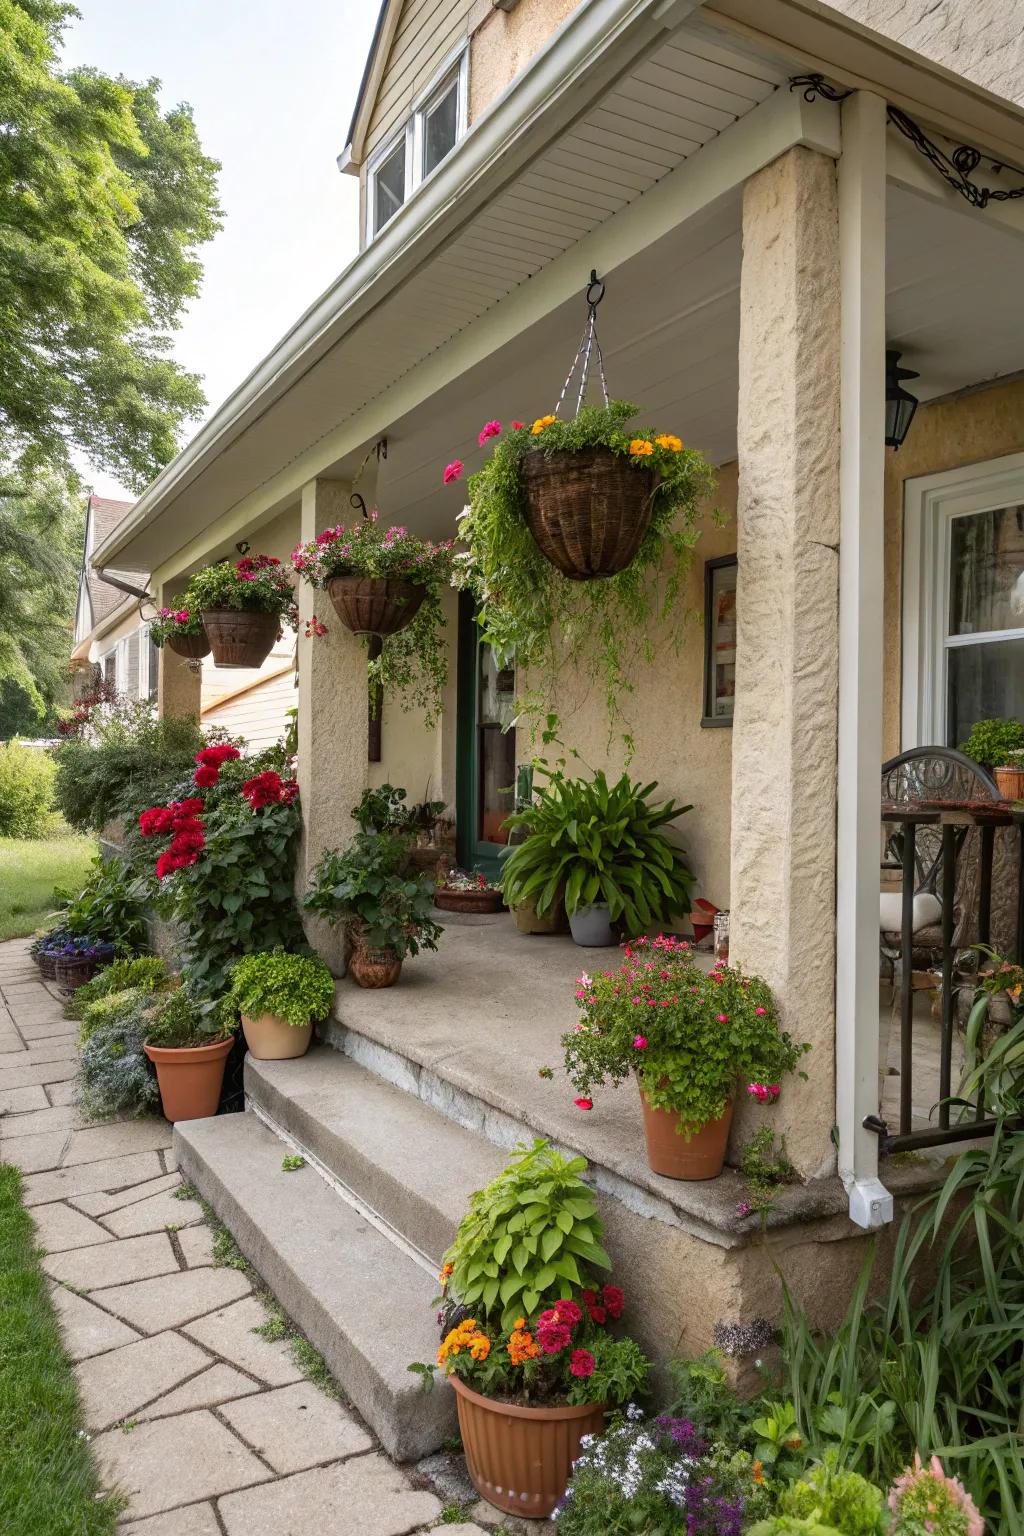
x: 785, y: 730
x: 179, y: 689
x: 332, y: 719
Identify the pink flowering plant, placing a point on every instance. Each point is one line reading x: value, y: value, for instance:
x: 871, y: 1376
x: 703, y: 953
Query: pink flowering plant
x: 412, y: 665
x: 926, y: 1502
x: 175, y: 621
x: 693, y: 1039
x: 254, y: 584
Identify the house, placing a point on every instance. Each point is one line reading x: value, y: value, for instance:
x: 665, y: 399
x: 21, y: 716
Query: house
x: 776, y: 195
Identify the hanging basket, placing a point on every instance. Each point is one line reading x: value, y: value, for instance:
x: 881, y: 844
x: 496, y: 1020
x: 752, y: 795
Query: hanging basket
x: 375, y: 605
x: 588, y: 511
x: 192, y: 647
x: 239, y: 637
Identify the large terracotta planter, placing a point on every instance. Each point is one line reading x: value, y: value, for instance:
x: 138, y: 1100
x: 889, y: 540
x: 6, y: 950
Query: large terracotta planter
x: 192, y: 647
x: 373, y: 967
x: 669, y: 1152
x: 272, y: 1039
x: 375, y: 605
x: 190, y: 1078
x: 239, y: 638
x: 467, y: 901
x: 1010, y: 782
x: 520, y: 1459
x: 587, y: 511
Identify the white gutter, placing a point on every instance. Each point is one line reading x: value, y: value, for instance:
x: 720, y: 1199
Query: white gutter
x: 597, y: 41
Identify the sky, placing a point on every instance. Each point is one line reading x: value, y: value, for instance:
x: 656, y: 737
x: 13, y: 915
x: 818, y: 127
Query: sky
x: 272, y: 86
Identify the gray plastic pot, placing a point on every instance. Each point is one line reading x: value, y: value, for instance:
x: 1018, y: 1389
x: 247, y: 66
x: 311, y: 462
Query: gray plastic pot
x: 590, y: 926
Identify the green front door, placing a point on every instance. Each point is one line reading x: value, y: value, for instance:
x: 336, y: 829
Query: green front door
x: 486, y: 763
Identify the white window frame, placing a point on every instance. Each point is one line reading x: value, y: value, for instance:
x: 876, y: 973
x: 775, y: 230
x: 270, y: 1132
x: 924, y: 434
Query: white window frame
x: 143, y: 661
x: 121, y: 665
x: 931, y: 502
x: 454, y: 70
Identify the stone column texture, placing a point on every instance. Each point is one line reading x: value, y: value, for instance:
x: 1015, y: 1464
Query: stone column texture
x: 785, y: 730
x: 332, y: 720
x: 179, y: 687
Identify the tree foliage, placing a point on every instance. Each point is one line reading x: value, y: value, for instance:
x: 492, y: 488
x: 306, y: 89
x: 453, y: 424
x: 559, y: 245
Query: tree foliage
x: 104, y: 201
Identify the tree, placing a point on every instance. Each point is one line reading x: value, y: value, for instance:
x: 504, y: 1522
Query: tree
x: 104, y: 202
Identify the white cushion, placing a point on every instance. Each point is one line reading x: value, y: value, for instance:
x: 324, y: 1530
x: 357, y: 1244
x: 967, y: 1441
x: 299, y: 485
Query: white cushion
x: 927, y: 910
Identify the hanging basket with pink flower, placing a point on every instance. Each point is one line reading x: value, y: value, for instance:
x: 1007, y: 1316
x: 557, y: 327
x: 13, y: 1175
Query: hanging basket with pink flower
x: 244, y: 607
x: 182, y: 631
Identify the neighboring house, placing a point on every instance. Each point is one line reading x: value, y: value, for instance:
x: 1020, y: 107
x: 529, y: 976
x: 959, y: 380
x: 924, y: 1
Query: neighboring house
x: 764, y: 242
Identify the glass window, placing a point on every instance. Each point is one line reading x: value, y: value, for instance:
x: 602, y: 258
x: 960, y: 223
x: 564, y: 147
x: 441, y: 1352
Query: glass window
x: 389, y: 187
x: 985, y: 659
x: 984, y: 682
x: 440, y: 128
x: 496, y: 694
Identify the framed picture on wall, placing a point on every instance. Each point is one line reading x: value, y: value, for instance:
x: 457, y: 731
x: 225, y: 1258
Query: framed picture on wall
x: 719, y: 640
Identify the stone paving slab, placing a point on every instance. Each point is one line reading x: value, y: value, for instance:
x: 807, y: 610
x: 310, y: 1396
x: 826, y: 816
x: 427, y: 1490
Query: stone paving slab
x: 23, y: 1076
x: 173, y: 1300
x: 229, y: 1333
x: 196, y: 1244
x: 117, y: 1139
x: 19, y: 1101
x: 168, y: 1462
x: 37, y: 1121
x: 366, y: 1496
x: 160, y: 1211
x: 87, y: 1329
x: 34, y: 1154
x: 194, y: 1520
x: 63, y: 1092
x: 297, y: 1427
x: 60, y: 1048
x: 59, y: 1227
x: 135, y: 1258
x: 111, y: 1174
x: 114, y: 1385
x: 219, y: 1383
x: 50, y: 1029
x: 100, y: 1203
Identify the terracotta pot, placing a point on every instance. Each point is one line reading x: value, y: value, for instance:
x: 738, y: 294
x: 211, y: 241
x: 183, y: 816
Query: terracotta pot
x: 669, y: 1152
x: 272, y: 1039
x: 240, y: 638
x: 192, y: 647
x: 527, y: 921
x: 467, y: 901
x: 190, y: 1078
x: 1010, y: 782
x: 373, y: 967
x: 587, y: 511
x: 375, y: 606
x: 520, y: 1459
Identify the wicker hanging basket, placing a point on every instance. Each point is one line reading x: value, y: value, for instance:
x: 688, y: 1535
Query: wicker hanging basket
x: 587, y: 511
x: 192, y: 647
x: 375, y: 605
x: 239, y: 637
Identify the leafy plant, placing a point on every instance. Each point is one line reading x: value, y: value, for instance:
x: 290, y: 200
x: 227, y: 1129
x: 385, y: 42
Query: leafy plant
x: 125, y: 761
x: 254, y: 584
x: 370, y: 891
x: 26, y: 790
x: 296, y: 988
x: 599, y: 843
x: 115, y: 1076
x: 292, y: 1162
x: 531, y: 1236
x: 146, y: 972
x: 381, y: 810
x: 991, y: 742
x: 121, y: 1007
x: 528, y: 610
x: 766, y: 1168
x: 182, y: 1020
x: 110, y: 906
x: 170, y: 622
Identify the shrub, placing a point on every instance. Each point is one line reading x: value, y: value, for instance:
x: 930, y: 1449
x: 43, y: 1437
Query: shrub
x: 370, y: 890
x: 26, y: 790
x: 116, y: 1008
x: 833, y: 1497
x: 146, y: 972
x: 128, y: 760
x: 110, y: 906
x: 296, y: 988
x: 115, y: 1076
x: 182, y: 1019
x: 991, y: 742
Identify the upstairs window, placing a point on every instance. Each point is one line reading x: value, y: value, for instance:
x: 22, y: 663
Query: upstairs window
x: 437, y: 122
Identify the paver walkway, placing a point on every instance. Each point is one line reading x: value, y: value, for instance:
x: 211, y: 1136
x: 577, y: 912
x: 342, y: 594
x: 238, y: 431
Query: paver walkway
x: 205, y: 1425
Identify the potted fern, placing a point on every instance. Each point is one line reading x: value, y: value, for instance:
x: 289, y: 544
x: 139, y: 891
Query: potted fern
x: 279, y: 997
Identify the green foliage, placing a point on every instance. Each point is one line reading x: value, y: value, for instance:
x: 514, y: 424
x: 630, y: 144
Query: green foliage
x: 29, y: 873
x: 254, y: 584
x: 599, y: 843
x: 792, y: 1525
x: 104, y: 200
x: 292, y: 1163
x: 531, y: 1236
x: 766, y: 1168
x: 381, y: 810
x: 372, y: 892
x: 296, y: 988
x: 147, y: 973
x: 120, y: 1007
x: 620, y: 1372
x: 834, y: 1497
x: 181, y: 1020
x: 41, y: 528
x: 702, y: 1393
x: 26, y: 790
x: 115, y: 1075
x: 991, y: 742
x: 172, y: 622
x: 110, y: 907
x: 604, y: 628
x: 129, y: 761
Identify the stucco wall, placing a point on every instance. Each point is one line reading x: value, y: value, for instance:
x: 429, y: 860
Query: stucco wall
x: 415, y: 757
x: 505, y: 42
x: 965, y: 429
x: 980, y: 39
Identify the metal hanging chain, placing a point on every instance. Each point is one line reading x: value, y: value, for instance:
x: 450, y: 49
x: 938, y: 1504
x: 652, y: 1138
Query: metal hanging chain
x: 955, y: 169
x: 589, y: 347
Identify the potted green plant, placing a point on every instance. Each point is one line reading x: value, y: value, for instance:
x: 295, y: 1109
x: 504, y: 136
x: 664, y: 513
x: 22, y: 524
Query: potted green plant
x: 387, y: 584
x: 527, y: 1330
x: 464, y: 892
x: 998, y: 745
x: 243, y: 607
x: 279, y: 997
x: 182, y: 630
x: 384, y: 907
x: 1009, y: 776
x: 188, y: 1043
x: 691, y: 1039
x: 603, y: 846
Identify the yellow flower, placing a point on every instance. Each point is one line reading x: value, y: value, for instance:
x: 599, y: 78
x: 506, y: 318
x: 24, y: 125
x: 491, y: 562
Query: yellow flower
x: 666, y: 440
x: 541, y: 423
x: 640, y: 448
x: 520, y: 1322
x: 480, y: 1347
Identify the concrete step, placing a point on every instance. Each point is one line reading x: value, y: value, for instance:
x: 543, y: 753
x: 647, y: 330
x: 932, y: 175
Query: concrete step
x: 363, y: 1301
x: 414, y: 1168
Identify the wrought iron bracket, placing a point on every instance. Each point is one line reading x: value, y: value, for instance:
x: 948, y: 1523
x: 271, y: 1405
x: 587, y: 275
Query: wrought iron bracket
x: 814, y: 86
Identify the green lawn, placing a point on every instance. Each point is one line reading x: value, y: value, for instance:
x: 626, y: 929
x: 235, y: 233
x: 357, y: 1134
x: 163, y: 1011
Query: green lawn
x: 29, y: 870
x: 48, y: 1482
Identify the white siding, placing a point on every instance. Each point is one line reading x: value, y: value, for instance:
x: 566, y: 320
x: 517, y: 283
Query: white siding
x: 257, y: 712
x: 427, y: 32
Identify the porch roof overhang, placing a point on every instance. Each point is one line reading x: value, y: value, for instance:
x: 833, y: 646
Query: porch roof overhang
x: 637, y: 116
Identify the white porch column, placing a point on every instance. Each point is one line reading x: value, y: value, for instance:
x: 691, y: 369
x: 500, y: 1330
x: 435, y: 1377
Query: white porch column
x: 179, y: 688
x: 862, y: 472
x: 332, y: 719
x: 784, y: 734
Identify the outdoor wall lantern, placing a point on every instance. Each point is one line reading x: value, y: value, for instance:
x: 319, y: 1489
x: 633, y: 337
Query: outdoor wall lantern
x: 899, y: 405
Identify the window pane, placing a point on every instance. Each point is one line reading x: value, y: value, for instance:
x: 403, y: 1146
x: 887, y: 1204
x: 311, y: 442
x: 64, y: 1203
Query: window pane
x: 496, y: 696
x: 440, y: 129
x: 497, y: 782
x: 984, y: 682
x: 986, y: 589
x: 389, y: 187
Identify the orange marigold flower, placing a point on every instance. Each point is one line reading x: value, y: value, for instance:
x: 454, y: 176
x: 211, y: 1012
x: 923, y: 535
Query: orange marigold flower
x: 758, y: 1472
x: 640, y: 448
x: 521, y: 1346
x: 667, y: 440
x: 520, y: 1322
x: 480, y: 1346
x: 446, y: 1270
x: 541, y: 423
